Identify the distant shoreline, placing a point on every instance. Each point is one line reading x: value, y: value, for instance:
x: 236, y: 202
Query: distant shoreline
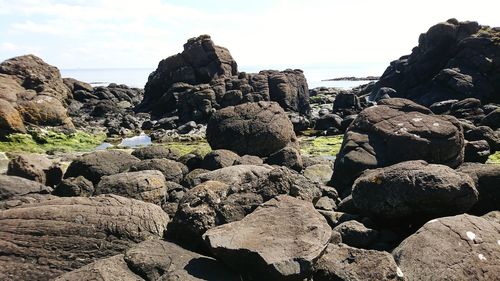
x: 352, y: 78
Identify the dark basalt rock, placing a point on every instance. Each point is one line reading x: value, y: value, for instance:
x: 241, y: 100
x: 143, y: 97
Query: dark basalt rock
x: 252, y: 128
x: 200, y: 62
x: 413, y: 190
x: 382, y: 135
x: 453, y: 60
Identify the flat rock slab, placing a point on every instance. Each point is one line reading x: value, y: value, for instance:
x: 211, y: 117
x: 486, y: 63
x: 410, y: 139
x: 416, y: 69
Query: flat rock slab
x: 341, y: 262
x: 462, y: 247
x: 40, y: 241
x: 154, y: 260
x: 280, y: 240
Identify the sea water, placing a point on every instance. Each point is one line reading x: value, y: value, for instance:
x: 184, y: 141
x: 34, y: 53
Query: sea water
x: 137, y: 77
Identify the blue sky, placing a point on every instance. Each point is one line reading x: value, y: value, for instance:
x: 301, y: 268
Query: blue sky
x: 259, y: 34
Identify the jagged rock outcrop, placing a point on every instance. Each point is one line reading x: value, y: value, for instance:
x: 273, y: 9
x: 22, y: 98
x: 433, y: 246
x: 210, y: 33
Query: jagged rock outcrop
x: 204, y: 78
x: 453, y: 60
x: 31, y: 92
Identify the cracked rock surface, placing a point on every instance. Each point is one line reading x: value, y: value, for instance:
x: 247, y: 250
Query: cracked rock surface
x: 462, y: 247
x: 42, y: 240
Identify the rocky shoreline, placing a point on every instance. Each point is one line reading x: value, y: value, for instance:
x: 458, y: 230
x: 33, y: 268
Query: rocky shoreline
x: 254, y: 176
x: 353, y: 78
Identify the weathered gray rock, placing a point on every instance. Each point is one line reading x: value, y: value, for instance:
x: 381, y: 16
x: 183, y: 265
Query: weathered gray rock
x: 107, y: 269
x: 413, y: 190
x: 10, y: 119
x: 153, y: 260
x: 477, y: 151
x: 200, y: 62
x: 11, y: 186
x: 148, y: 186
x: 252, y: 128
x: 79, y: 186
x: 100, y: 163
x: 172, y: 170
x: 219, y: 158
x: 35, y: 167
x: 487, y: 180
x: 278, y: 241
x: 344, y: 263
x: 288, y: 157
x: 321, y: 173
x: 462, y: 247
x: 155, y: 152
x: 355, y: 234
x: 453, y: 60
x: 43, y: 240
x: 34, y: 74
x: 380, y: 136
x: 231, y: 193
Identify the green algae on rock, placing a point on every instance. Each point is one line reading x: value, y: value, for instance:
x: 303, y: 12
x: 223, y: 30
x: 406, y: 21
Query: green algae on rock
x: 322, y: 145
x: 49, y: 141
x: 494, y: 158
x: 183, y: 147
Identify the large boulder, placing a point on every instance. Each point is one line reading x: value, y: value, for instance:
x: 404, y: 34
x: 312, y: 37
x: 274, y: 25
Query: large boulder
x: 280, y: 240
x: 289, y: 88
x: 155, y: 152
x: 413, y: 190
x: 462, y: 247
x: 453, y: 60
x: 200, y: 62
x: 231, y: 193
x: 153, y: 260
x: 252, y: 128
x: 10, y: 119
x: 44, y: 110
x: 382, y: 135
x: 172, y: 170
x: 79, y: 186
x: 97, y: 164
x: 148, y: 186
x: 344, y: 263
x: 43, y: 240
x: 33, y: 73
x: 35, y: 167
x: 487, y: 180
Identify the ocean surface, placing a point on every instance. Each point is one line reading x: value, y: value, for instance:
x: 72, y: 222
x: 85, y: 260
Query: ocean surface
x: 137, y: 77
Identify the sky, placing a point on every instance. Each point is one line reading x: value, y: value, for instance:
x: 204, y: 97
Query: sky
x: 260, y: 34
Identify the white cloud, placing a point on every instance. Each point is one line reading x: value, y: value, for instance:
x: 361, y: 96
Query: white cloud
x: 113, y: 33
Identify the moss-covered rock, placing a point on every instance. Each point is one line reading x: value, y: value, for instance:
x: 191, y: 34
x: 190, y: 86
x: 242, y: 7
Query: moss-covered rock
x: 44, y: 141
x: 494, y: 158
x: 323, y: 145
